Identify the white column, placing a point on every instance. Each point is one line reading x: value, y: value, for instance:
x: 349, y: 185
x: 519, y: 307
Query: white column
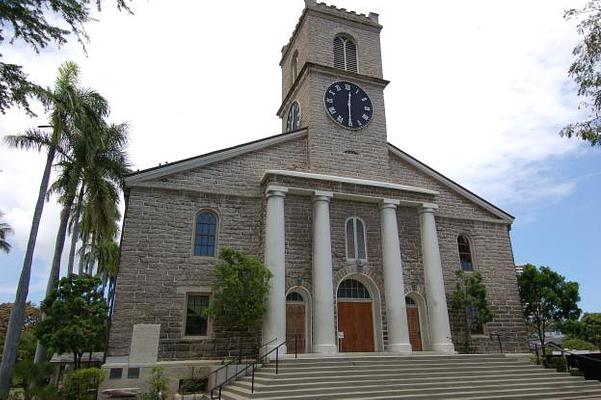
x: 324, y: 336
x: 274, y: 322
x: 394, y: 288
x: 440, y: 329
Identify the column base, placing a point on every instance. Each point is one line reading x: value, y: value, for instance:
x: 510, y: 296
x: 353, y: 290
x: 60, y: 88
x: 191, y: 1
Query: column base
x: 280, y: 353
x: 444, y: 347
x: 399, y: 348
x: 325, y: 348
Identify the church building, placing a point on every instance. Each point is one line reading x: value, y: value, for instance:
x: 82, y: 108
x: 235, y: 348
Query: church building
x: 363, y: 240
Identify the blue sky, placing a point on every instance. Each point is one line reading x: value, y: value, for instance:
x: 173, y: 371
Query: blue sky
x: 478, y: 91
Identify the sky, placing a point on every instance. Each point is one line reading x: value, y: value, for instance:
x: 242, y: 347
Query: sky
x: 479, y: 91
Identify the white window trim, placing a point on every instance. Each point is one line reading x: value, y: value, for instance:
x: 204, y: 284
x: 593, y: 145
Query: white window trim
x: 470, y: 243
x: 346, y: 244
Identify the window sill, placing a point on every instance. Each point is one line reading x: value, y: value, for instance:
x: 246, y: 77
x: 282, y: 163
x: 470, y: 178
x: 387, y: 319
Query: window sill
x: 195, y: 338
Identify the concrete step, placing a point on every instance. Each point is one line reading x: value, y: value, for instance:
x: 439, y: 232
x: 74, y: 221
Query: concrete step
x: 398, y: 362
x: 474, y: 392
x: 411, y: 377
x: 399, y: 376
x: 310, y: 372
x: 428, y: 387
x: 267, y: 386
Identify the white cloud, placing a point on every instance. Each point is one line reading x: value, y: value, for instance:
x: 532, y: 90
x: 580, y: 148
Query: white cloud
x: 478, y: 89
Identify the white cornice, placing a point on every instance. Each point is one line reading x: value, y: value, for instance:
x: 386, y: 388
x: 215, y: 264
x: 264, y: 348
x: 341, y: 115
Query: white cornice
x: 508, y: 218
x: 210, y: 158
x: 352, y: 181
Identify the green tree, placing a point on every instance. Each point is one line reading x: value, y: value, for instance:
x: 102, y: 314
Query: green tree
x: 39, y: 24
x: 469, y: 301
x: 239, y: 291
x: 586, y: 72
x: 5, y: 229
x: 547, y: 298
x: 588, y: 328
x: 27, y: 341
x: 76, y: 317
x: 66, y: 106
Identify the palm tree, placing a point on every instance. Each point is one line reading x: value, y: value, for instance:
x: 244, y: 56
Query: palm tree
x: 95, y: 148
x: 5, y: 229
x: 68, y: 106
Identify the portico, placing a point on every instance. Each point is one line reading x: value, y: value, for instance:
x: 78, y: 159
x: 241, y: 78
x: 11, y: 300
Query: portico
x: 386, y: 197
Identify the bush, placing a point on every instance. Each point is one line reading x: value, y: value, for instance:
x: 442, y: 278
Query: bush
x: 578, y: 344
x: 557, y: 362
x: 195, y: 383
x: 158, y: 385
x: 82, y: 384
x: 34, y: 379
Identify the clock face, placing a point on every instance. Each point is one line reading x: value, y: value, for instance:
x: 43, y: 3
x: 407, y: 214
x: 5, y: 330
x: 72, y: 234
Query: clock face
x: 348, y: 105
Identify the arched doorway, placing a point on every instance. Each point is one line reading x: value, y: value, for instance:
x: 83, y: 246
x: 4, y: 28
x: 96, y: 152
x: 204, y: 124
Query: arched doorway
x: 355, y: 316
x: 415, y: 333
x: 295, y: 322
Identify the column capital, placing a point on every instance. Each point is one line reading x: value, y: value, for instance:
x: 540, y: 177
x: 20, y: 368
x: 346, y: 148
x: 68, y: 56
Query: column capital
x: 427, y: 208
x: 389, y: 203
x: 277, y: 191
x: 320, y: 195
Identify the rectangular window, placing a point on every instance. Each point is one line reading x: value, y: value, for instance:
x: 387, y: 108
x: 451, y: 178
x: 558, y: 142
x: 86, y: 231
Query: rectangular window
x: 115, y: 373
x: 133, y: 373
x: 476, y: 327
x: 196, y: 322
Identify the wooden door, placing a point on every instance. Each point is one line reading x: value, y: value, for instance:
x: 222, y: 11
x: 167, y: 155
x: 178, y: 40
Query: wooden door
x: 295, y: 325
x: 415, y: 334
x: 355, y: 319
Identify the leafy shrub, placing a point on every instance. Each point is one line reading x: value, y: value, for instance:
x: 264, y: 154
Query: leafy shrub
x: 158, y: 385
x: 82, y: 384
x: 34, y: 380
x: 195, y: 383
x: 578, y: 344
x: 557, y: 362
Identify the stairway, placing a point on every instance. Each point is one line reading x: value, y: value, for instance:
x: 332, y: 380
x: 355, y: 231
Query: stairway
x: 424, y: 376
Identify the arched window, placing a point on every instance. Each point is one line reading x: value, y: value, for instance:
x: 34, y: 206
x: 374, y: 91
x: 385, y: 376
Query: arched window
x: 294, y: 297
x: 205, y: 234
x: 293, y: 122
x: 355, y: 239
x: 465, y: 253
x: 410, y: 302
x: 294, y: 66
x: 345, y: 54
x: 352, y: 289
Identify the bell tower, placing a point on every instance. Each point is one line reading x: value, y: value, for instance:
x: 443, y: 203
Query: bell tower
x: 332, y: 84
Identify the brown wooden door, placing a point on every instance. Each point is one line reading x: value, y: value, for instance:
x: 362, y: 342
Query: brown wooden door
x: 295, y: 325
x: 355, y: 319
x: 415, y: 334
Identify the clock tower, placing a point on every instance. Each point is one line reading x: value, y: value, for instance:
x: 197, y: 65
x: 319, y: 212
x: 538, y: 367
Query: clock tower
x: 332, y: 84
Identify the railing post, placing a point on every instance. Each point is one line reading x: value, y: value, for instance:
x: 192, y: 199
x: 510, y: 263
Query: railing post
x: 500, y: 344
x: 277, y: 350
x: 295, y: 346
x: 537, y: 354
x: 220, y: 387
x: 252, y: 384
x: 226, y: 375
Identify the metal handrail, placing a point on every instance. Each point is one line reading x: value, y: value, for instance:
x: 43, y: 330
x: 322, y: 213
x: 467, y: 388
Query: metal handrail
x: 491, y: 335
x: 254, y: 364
x: 234, y: 359
x: 562, y: 350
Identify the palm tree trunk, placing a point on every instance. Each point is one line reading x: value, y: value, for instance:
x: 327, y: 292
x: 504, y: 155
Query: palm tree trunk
x: 55, y: 270
x: 17, y: 316
x: 81, y: 258
x: 75, y: 233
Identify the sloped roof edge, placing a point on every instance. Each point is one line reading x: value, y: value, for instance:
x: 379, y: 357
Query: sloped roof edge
x: 212, y: 157
x: 451, y: 184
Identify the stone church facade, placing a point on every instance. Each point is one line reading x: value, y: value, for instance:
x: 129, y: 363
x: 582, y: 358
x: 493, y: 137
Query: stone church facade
x: 363, y: 240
